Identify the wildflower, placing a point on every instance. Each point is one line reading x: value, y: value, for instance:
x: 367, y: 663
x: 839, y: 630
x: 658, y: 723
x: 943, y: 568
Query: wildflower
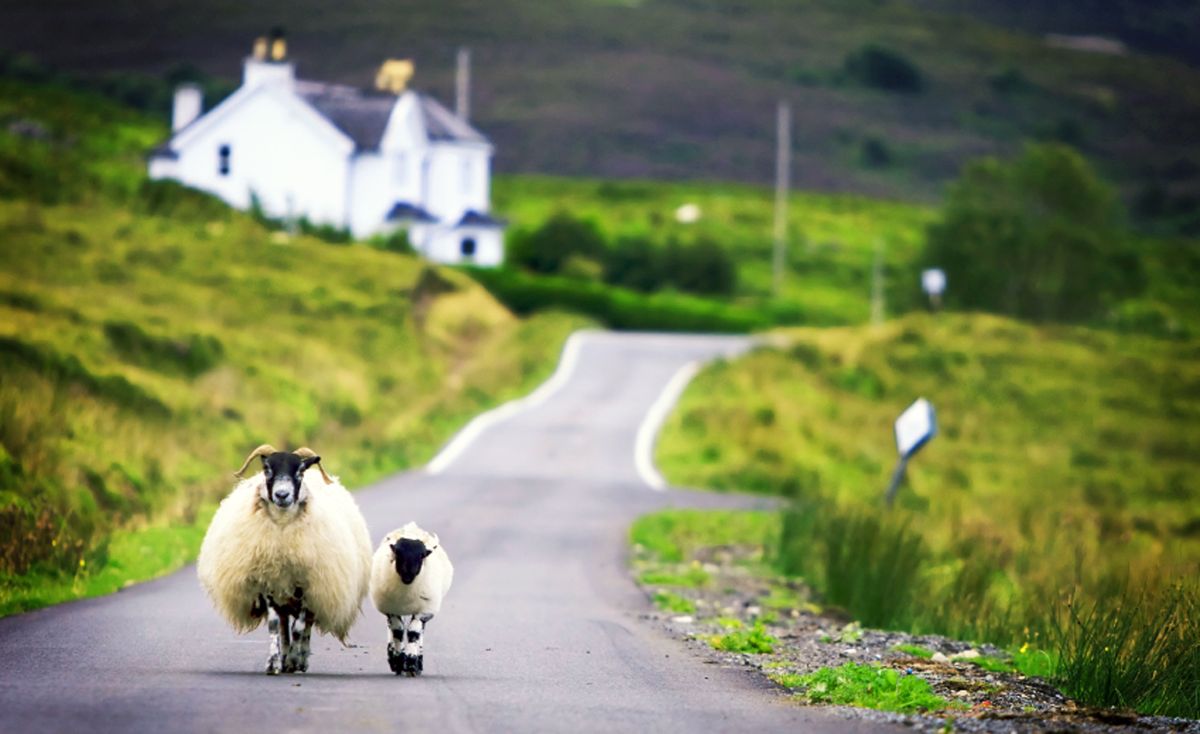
x: 1024, y: 648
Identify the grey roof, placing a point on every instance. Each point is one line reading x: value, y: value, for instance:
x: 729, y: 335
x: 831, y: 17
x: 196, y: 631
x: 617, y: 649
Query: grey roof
x: 364, y: 115
x: 442, y: 124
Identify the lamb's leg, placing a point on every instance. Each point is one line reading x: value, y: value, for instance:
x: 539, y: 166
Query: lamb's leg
x: 397, y: 626
x: 413, y: 650
x: 297, y: 656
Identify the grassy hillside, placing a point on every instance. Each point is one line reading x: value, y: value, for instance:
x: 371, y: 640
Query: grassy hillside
x: 832, y: 239
x: 687, y: 89
x: 1057, y: 506
x: 150, y: 337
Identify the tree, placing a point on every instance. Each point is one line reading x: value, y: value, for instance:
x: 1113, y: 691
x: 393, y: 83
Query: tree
x: 547, y: 248
x: 883, y: 68
x: 1038, y: 238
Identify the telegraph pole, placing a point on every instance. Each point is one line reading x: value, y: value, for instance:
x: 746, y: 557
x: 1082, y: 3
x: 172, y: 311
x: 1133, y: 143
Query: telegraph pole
x: 783, y: 154
x: 462, y: 85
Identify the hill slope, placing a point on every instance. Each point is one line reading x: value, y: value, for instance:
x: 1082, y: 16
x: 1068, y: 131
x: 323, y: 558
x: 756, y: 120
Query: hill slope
x: 150, y: 337
x: 687, y: 88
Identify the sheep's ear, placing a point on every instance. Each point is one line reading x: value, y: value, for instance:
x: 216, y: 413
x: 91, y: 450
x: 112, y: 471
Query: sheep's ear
x: 266, y: 466
x: 427, y: 552
x: 308, y: 461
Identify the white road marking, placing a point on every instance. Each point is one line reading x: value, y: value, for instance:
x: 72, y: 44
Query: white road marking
x: 464, y: 438
x: 647, y: 435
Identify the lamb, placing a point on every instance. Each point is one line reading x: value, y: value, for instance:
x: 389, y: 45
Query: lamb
x: 410, y: 576
x: 290, y: 548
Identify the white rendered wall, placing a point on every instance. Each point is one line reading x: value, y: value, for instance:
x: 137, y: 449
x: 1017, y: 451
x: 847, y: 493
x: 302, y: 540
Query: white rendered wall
x: 293, y: 167
x: 445, y: 245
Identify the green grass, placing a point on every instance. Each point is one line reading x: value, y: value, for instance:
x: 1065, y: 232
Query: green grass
x: 150, y: 337
x: 755, y: 641
x: 1041, y: 488
x: 672, y: 536
x: 915, y: 650
x: 866, y: 686
x: 669, y: 601
x: 692, y: 577
x: 829, y: 261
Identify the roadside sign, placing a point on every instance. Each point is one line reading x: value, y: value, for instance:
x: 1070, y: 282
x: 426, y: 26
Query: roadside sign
x: 933, y: 281
x: 915, y: 427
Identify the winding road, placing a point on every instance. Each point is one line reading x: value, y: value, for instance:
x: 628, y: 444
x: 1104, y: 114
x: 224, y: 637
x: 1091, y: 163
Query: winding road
x: 541, y: 632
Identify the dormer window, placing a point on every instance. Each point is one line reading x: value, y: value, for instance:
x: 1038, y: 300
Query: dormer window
x: 223, y: 154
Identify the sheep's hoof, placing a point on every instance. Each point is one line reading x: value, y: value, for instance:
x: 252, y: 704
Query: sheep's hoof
x: 416, y: 664
x: 295, y: 664
x: 273, y: 665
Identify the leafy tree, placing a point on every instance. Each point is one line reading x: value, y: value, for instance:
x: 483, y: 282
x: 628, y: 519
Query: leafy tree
x: 1038, y: 238
x: 547, y: 248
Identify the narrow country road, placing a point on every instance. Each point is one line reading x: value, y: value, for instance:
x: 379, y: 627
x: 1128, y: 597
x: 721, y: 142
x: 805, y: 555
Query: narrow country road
x: 541, y: 632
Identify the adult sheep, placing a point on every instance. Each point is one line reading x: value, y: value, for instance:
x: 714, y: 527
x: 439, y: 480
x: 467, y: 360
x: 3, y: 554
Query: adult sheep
x: 289, y: 547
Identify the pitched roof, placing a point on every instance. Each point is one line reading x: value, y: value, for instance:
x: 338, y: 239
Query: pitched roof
x: 479, y: 219
x: 404, y: 211
x: 442, y: 124
x: 363, y: 115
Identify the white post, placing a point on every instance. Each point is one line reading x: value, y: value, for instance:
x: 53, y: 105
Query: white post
x: 783, y: 150
x: 462, y: 85
x: 877, y: 296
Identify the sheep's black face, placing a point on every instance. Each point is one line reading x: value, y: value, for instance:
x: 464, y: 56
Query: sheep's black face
x: 284, y: 475
x: 409, y: 555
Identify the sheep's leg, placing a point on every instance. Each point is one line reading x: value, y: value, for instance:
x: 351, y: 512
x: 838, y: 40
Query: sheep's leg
x: 397, y: 626
x: 297, y: 657
x: 274, y: 662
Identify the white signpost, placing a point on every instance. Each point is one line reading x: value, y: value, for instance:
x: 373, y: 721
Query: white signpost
x: 933, y: 282
x: 914, y: 428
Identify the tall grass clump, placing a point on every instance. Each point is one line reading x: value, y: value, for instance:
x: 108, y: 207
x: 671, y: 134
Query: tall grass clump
x: 1134, y: 648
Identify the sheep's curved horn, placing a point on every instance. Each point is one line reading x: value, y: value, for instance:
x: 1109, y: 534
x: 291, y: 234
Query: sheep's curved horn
x: 265, y: 450
x: 308, y: 453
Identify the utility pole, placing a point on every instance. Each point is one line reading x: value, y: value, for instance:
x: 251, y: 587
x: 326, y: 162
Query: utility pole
x: 877, y: 297
x: 462, y: 85
x: 783, y: 155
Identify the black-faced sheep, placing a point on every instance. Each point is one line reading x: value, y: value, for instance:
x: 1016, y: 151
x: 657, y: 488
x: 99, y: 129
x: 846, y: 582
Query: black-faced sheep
x: 289, y: 547
x: 410, y: 576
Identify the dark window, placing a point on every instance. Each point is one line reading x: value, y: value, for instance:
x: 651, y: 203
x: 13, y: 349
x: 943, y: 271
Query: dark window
x: 468, y: 247
x: 223, y: 160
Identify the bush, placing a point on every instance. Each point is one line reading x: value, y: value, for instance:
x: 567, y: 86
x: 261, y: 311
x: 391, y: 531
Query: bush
x: 617, y: 308
x: 703, y: 268
x: 190, y: 356
x: 634, y: 263
x: 547, y: 248
x: 1037, y: 238
x: 882, y: 68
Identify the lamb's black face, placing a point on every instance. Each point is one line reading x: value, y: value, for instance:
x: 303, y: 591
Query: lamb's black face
x: 409, y: 554
x: 284, y: 474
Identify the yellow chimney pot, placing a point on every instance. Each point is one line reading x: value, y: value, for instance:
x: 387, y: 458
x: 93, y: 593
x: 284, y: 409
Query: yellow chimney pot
x: 393, y: 75
x: 260, y: 48
x: 278, y: 49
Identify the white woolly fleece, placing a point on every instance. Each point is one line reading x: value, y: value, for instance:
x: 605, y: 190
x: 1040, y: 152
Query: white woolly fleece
x: 251, y: 548
x: 424, y: 595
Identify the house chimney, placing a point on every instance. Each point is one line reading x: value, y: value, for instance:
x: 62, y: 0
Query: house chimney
x: 269, y: 64
x: 393, y: 75
x: 278, y: 44
x: 189, y: 103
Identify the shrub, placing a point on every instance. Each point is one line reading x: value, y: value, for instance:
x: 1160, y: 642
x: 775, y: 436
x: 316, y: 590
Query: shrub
x: 547, y: 248
x: 883, y: 68
x: 1036, y: 238
x: 704, y: 268
x: 635, y: 263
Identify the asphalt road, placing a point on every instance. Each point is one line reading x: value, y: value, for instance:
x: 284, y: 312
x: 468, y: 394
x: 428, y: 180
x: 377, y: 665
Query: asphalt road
x: 541, y: 632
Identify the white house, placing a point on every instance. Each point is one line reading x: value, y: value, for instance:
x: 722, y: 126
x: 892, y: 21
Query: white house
x: 369, y: 161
